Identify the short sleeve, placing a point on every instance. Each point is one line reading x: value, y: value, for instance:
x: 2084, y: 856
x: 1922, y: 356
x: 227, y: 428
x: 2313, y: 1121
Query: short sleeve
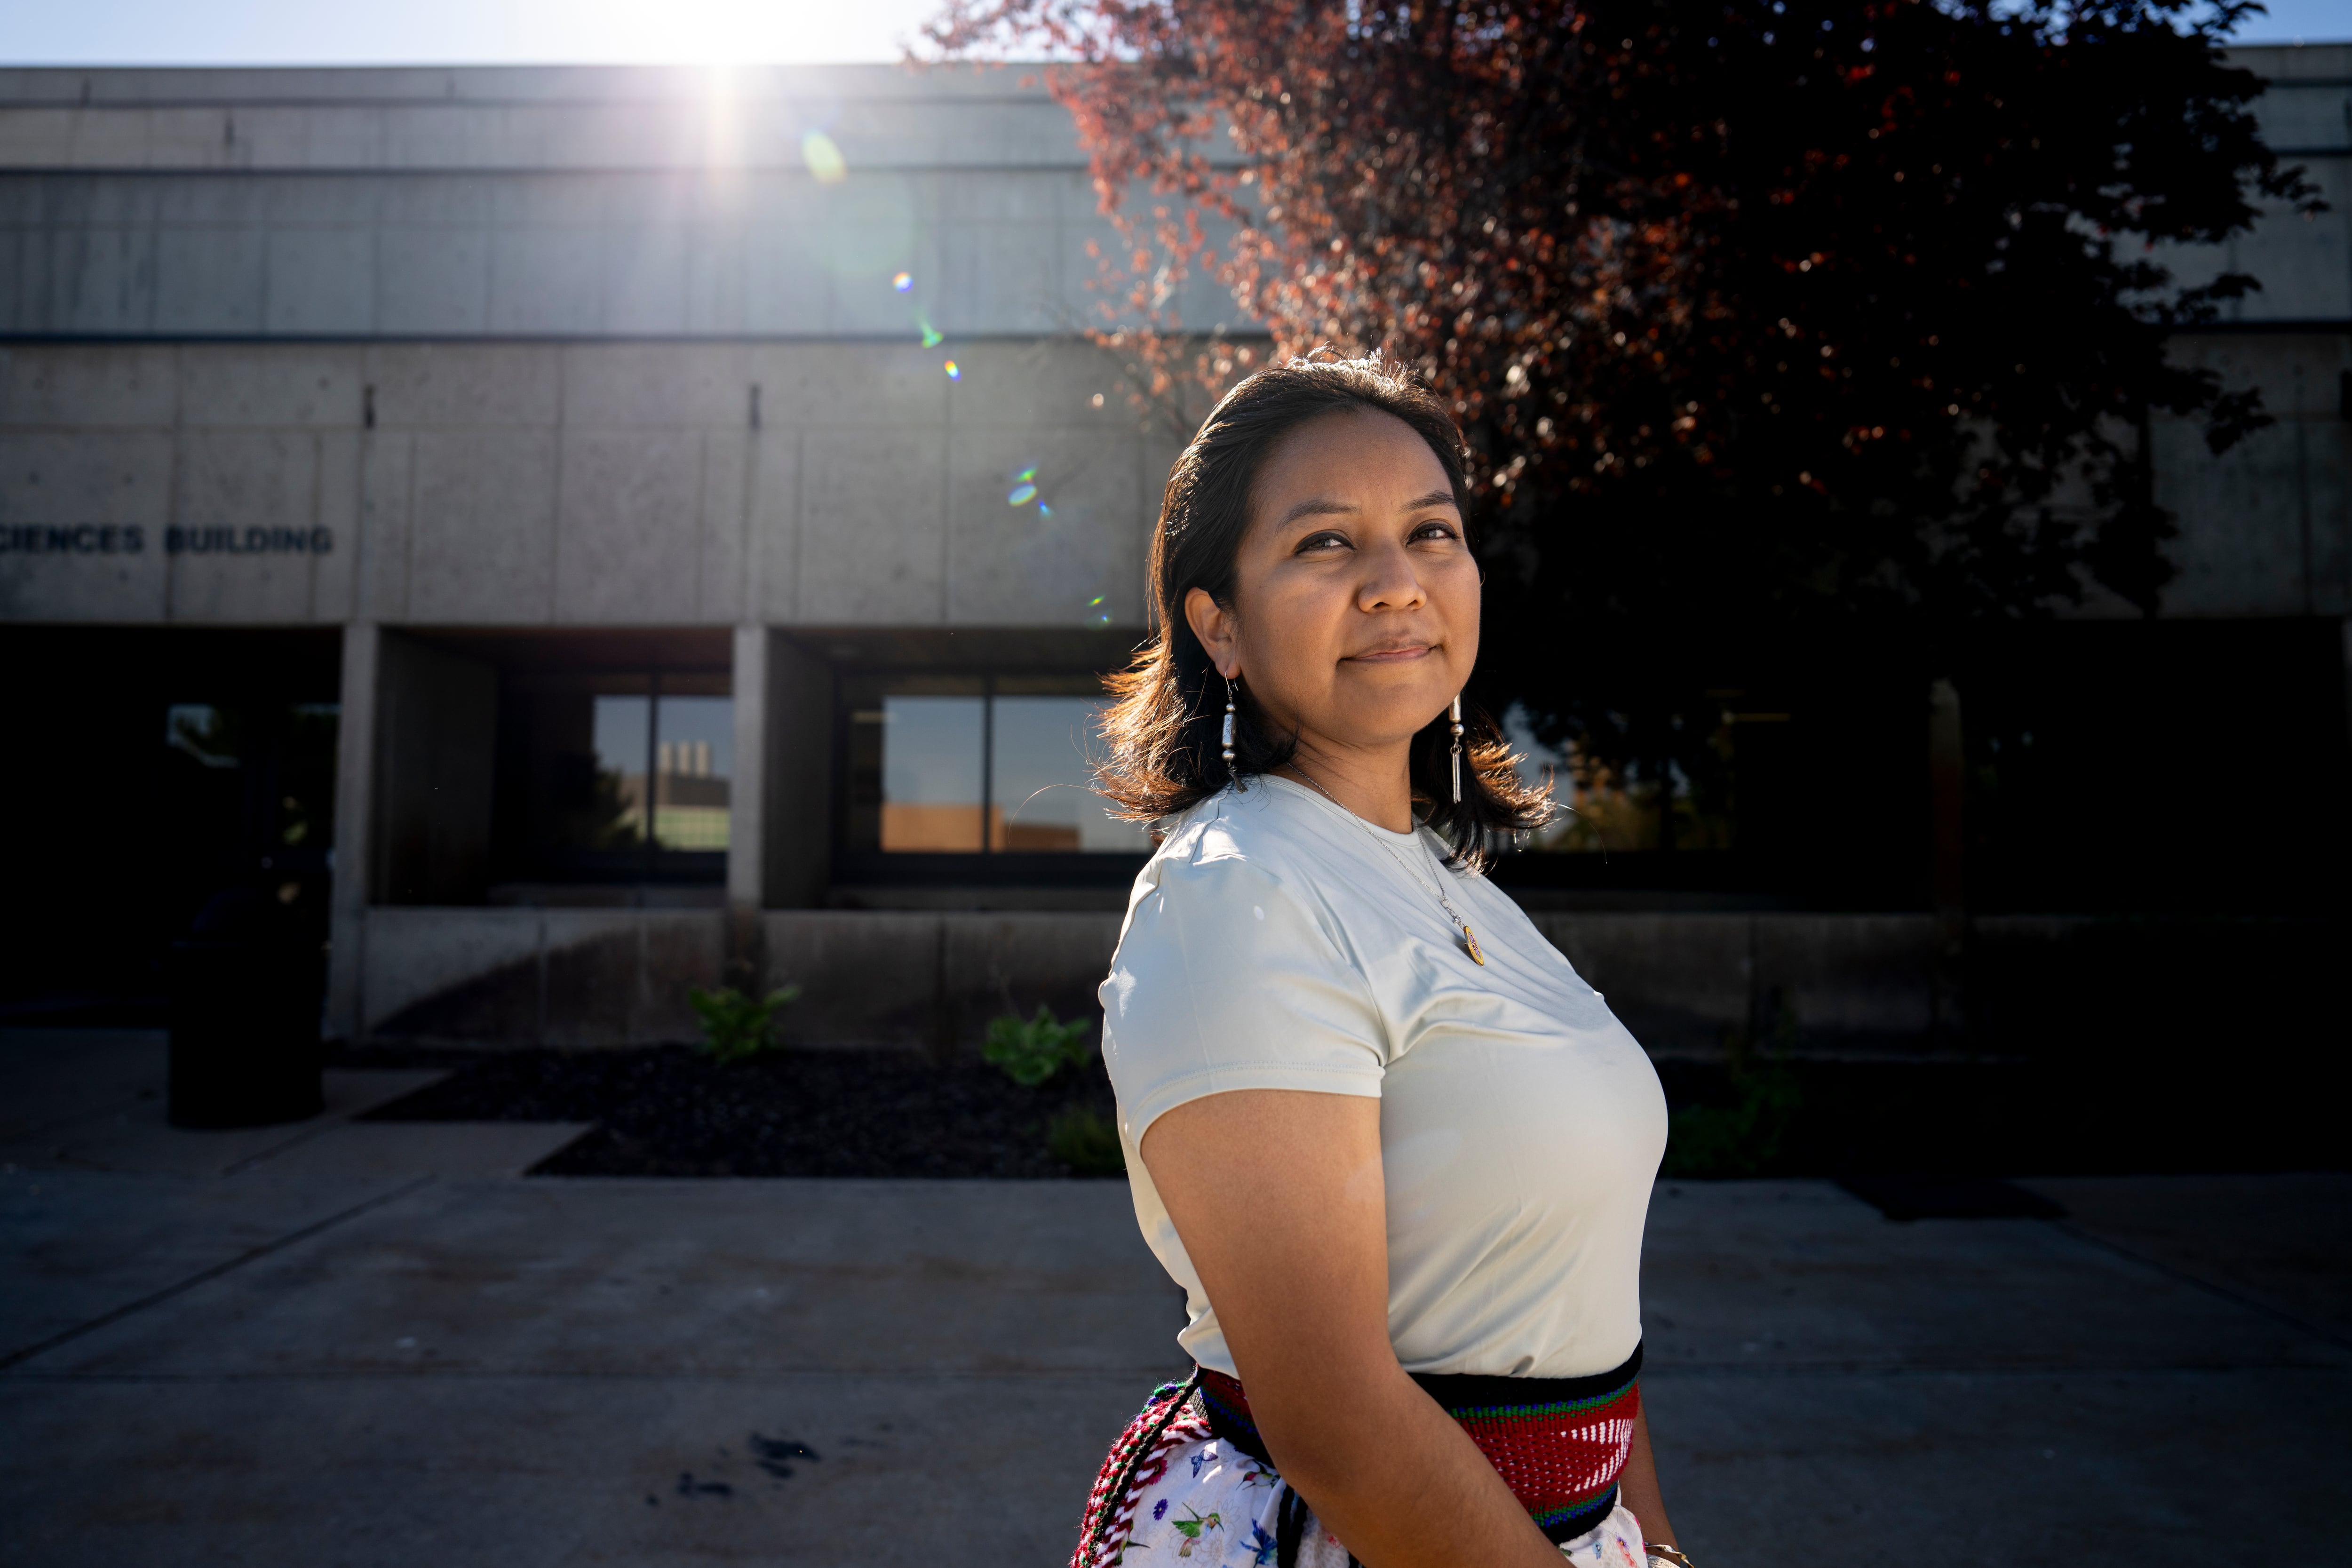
x: 1225, y: 980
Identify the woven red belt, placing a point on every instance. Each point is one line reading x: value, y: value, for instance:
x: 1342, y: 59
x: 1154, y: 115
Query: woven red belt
x: 1559, y: 1443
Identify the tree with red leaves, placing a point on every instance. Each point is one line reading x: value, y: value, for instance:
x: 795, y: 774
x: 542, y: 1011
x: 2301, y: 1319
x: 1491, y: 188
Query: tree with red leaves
x: 1836, y: 321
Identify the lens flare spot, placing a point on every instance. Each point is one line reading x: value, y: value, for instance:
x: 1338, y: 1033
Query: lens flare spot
x: 1044, y: 510
x: 904, y: 281
x: 955, y: 371
x: 823, y: 158
x: 1022, y: 495
x: 932, y: 337
x: 1026, y: 476
x: 1095, y: 602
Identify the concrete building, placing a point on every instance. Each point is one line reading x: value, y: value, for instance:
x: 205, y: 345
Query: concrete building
x: 572, y: 534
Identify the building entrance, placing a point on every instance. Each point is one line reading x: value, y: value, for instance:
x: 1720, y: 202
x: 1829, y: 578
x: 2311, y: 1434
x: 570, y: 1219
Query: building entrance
x: 153, y: 771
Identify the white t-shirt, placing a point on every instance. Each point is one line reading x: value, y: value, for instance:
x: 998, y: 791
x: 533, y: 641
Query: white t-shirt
x: 1271, y: 942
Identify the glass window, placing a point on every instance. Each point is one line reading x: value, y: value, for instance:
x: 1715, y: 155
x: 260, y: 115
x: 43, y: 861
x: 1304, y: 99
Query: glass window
x: 1653, y: 802
x: 204, y: 732
x: 1043, y: 748
x: 693, y: 762
x: 978, y: 765
x: 931, y: 749
x: 614, y: 775
x: 612, y: 815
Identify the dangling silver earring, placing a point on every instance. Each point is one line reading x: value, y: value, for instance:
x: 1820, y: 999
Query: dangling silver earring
x: 1228, y: 727
x: 1458, y: 748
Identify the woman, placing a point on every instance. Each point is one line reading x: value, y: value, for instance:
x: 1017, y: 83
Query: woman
x: 1396, y: 1153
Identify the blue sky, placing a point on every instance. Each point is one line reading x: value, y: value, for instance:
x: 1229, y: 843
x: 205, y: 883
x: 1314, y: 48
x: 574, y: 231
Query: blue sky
x: 465, y: 32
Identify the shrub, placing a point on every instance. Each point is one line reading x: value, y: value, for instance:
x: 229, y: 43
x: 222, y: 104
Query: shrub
x: 1738, y: 1140
x: 736, y: 1027
x: 1031, y: 1051
x: 1744, y: 1138
x: 1086, y: 1141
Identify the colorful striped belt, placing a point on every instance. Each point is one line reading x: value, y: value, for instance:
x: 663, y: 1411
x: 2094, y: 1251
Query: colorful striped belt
x: 1558, y: 1443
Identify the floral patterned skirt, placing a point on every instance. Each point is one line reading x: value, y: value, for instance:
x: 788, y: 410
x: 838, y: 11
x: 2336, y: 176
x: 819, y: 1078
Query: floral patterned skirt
x: 1171, y: 1490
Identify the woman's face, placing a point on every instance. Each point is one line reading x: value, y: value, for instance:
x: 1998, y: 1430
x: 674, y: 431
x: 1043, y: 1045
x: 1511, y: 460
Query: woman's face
x: 1355, y: 612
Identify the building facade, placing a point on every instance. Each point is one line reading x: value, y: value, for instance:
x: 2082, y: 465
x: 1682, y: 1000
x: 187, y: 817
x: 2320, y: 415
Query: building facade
x: 567, y: 535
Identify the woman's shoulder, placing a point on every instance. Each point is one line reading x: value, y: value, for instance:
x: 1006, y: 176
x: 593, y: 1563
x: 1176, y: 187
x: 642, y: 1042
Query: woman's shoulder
x: 1241, y: 854
x: 1224, y: 915
x: 1236, y: 837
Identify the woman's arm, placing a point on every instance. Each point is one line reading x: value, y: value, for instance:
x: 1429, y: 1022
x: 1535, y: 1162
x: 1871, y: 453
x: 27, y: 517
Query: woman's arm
x: 1638, y: 1487
x: 1277, y: 1196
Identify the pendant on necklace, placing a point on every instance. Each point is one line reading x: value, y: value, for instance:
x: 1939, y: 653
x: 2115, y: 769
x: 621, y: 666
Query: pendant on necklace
x: 1470, y: 940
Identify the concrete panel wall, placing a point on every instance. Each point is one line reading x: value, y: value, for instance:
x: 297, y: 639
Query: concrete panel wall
x: 2266, y: 527
x: 453, y: 203
x: 568, y: 202
x: 1681, y: 982
x: 531, y: 116
x: 2305, y: 265
x: 531, y: 253
x: 585, y: 485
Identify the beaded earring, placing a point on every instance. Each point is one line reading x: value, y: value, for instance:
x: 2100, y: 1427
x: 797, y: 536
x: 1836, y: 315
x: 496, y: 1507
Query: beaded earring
x: 1457, y: 747
x: 1228, y: 727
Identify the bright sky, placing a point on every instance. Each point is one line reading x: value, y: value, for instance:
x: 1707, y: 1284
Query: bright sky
x: 479, y: 32
x: 454, y: 32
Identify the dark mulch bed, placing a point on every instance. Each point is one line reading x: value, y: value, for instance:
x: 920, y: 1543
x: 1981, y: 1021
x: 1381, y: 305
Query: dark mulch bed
x: 670, y: 1111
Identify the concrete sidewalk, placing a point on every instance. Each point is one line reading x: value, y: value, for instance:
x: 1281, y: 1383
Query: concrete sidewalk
x: 395, y: 1366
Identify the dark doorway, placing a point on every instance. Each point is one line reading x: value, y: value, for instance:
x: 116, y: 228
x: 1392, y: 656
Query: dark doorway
x: 148, y: 771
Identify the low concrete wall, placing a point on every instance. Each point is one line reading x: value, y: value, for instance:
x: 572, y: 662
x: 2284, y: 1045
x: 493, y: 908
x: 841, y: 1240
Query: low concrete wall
x: 1825, y: 984
x: 898, y: 978
x: 536, y: 976
x: 1852, y: 986
x: 1831, y: 985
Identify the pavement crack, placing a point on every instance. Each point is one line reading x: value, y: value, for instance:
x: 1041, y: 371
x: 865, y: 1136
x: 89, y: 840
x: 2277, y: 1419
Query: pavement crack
x: 132, y: 1309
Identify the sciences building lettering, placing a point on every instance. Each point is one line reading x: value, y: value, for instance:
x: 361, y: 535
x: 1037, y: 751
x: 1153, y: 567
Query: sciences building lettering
x: 131, y: 539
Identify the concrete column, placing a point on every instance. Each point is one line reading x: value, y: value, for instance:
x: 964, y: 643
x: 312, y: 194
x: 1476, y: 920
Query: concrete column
x: 354, y: 809
x: 799, y: 792
x: 747, y: 796
x: 747, y: 809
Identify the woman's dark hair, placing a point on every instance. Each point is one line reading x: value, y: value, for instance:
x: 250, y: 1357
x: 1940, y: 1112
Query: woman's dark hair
x: 1164, y: 729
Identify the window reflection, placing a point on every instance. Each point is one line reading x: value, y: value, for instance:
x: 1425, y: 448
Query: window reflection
x: 1041, y: 778
x: 932, y: 749
x: 968, y: 764
x: 613, y: 814
x: 693, y: 767
x: 607, y: 774
x: 1653, y: 802
x: 204, y: 732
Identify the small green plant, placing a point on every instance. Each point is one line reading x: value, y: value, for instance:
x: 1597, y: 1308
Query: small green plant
x: 1744, y: 1138
x: 1085, y: 1141
x: 1031, y: 1051
x: 736, y: 1027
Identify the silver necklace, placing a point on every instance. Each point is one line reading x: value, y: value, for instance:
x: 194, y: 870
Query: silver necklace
x: 1469, y: 937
